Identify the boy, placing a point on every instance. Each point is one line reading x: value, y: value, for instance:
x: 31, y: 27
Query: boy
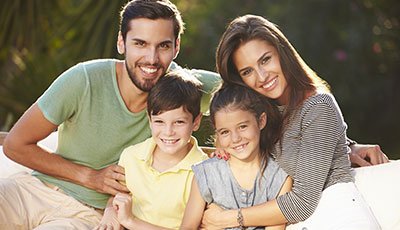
x: 158, y: 171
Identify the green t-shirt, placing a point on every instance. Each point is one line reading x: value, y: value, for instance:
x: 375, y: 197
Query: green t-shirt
x: 95, y: 125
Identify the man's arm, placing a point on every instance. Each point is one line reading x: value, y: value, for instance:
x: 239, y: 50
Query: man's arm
x: 21, y: 146
x: 365, y: 154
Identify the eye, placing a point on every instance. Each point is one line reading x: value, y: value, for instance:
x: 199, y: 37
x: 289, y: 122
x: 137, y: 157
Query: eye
x: 242, y: 127
x: 180, y: 122
x: 265, y: 60
x: 246, y: 72
x: 165, y: 46
x: 156, y: 121
x: 139, y: 43
x: 223, y: 132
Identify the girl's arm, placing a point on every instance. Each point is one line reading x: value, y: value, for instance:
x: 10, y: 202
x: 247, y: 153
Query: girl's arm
x: 194, y: 209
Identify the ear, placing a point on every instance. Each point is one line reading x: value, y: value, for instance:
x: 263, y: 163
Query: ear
x: 262, y: 121
x: 177, y: 47
x: 120, y: 43
x: 197, y: 121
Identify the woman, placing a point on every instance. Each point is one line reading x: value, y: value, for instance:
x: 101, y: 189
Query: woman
x: 312, y: 149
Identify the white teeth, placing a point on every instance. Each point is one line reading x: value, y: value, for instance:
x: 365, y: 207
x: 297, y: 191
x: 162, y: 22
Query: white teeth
x: 148, y: 70
x: 169, y: 141
x: 240, y: 147
x: 270, y: 83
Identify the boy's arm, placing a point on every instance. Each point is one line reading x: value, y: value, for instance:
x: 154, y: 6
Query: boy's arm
x: 110, y: 218
x: 194, y: 209
x: 123, y: 204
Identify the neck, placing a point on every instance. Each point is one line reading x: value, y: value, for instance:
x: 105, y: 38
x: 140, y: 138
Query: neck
x: 164, y: 161
x: 134, y: 99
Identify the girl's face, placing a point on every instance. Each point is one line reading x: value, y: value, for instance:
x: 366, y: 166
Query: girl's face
x: 258, y: 64
x: 238, y: 132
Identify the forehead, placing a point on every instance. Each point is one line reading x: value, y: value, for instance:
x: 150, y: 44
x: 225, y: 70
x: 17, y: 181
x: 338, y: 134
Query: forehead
x: 251, y: 51
x: 228, y: 118
x: 151, y: 30
x: 178, y: 113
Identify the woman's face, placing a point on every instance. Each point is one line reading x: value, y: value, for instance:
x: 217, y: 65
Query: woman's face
x: 258, y: 64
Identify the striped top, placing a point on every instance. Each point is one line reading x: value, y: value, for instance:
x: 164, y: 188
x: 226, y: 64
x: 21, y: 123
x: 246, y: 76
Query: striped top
x: 313, y: 152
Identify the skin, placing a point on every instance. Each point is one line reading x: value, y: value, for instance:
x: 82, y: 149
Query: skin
x: 150, y: 46
x: 239, y: 132
x: 258, y: 64
x: 171, y: 131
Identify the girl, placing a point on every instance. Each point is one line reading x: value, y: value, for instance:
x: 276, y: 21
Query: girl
x: 312, y: 149
x: 250, y: 176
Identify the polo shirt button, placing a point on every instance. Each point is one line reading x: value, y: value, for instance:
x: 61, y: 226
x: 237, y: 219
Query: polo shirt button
x: 304, y: 228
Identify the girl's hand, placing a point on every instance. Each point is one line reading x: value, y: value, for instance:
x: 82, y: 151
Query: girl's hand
x: 109, y: 221
x: 122, y: 204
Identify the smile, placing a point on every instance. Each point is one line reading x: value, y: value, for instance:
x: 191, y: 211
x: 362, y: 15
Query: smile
x: 240, y: 147
x: 148, y: 70
x: 169, y: 141
x: 270, y: 83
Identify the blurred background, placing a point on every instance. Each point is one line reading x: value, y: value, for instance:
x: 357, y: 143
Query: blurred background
x: 353, y: 44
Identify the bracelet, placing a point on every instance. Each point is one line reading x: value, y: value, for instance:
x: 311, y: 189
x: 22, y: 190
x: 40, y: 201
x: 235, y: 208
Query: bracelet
x: 239, y: 219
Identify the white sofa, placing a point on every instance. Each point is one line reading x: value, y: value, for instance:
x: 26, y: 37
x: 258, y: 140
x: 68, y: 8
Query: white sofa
x: 380, y: 185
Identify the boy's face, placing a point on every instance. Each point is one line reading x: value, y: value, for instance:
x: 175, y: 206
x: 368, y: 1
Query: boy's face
x: 149, y: 49
x: 171, y: 130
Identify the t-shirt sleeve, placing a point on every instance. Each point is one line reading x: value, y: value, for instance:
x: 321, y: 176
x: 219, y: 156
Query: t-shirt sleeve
x: 201, y: 179
x: 61, y: 100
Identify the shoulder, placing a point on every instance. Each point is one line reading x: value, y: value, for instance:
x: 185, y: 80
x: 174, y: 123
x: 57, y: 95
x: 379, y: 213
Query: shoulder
x: 139, y: 151
x: 320, y: 102
x: 209, y: 165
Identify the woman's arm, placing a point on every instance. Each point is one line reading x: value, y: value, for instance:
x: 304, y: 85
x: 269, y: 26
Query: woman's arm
x: 287, y: 187
x: 194, y: 209
x: 265, y: 214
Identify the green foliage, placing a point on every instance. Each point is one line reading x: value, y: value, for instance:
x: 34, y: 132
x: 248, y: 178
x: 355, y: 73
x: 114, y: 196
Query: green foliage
x: 353, y: 44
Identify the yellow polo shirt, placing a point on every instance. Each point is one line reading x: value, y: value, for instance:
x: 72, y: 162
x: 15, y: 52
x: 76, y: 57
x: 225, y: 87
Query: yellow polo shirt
x: 159, y: 197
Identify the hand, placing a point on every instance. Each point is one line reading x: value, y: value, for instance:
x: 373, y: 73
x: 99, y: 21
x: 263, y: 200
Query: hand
x: 122, y: 203
x: 107, y: 180
x: 109, y: 220
x: 214, y: 217
x: 221, y: 154
x: 366, y: 155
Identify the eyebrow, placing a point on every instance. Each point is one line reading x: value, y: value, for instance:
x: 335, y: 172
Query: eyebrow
x: 258, y: 61
x: 141, y: 40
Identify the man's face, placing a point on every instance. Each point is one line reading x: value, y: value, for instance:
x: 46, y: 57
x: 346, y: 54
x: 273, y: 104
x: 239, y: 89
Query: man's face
x: 149, y: 49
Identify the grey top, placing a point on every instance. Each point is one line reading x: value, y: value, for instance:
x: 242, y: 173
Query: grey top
x: 313, y: 152
x: 218, y: 185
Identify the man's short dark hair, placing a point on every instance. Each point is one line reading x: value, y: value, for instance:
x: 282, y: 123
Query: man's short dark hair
x: 151, y: 9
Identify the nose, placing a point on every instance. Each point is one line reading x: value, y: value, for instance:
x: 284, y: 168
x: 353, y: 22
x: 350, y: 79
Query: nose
x: 152, y: 55
x: 262, y: 74
x: 169, y: 130
x: 236, y: 137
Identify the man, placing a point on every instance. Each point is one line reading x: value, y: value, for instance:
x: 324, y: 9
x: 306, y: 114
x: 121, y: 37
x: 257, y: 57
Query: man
x: 99, y: 109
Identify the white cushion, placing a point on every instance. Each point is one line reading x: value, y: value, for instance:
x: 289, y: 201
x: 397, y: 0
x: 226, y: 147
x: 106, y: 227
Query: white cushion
x: 380, y: 187
x: 9, y: 167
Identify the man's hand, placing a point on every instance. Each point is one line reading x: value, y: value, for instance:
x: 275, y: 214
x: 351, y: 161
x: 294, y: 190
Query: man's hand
x: 366, y: 155
x: 107, y: 180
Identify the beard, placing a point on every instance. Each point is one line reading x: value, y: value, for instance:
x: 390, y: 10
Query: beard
x: 145, y: 86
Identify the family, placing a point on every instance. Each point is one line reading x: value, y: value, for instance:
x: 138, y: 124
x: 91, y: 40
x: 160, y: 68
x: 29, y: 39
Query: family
x: 126, y: 157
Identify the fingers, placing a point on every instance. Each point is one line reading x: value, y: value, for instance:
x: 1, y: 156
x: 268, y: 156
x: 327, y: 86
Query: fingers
x: 376, y: 156
x: 357, y: 161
